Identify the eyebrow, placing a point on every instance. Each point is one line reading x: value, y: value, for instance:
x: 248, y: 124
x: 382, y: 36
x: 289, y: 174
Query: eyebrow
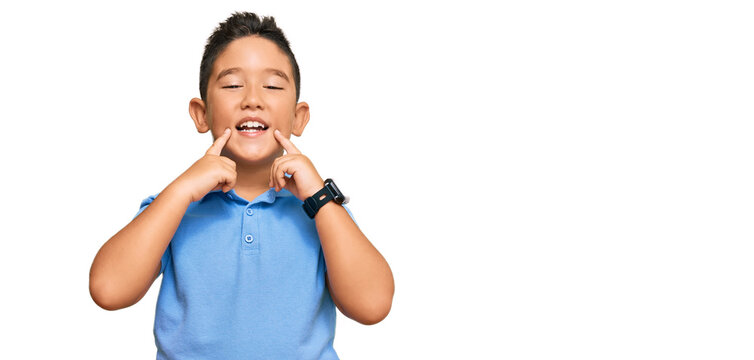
x: 278, y: 73
x: 235, y: 69
x: 226, y: 72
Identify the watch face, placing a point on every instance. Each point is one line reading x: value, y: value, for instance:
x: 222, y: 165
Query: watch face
x: 338, y: 196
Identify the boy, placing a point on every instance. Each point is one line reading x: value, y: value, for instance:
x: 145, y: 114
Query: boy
x: 246, y: 279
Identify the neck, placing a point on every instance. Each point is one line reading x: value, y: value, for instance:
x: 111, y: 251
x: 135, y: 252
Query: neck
x: 252, y: 179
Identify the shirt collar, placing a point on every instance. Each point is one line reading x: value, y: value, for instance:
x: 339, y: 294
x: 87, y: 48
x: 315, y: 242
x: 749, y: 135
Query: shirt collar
x: 268, y: 196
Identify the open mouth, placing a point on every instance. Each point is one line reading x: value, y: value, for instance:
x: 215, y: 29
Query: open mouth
x: 251, y: 126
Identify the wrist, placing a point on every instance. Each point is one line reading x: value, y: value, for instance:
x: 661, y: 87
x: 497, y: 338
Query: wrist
x: 309, y: 193
x: 177, y: 190
x: 328, y: 193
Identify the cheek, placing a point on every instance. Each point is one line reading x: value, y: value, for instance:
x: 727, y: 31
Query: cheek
x: 282, y: 110
x: 220, y: 112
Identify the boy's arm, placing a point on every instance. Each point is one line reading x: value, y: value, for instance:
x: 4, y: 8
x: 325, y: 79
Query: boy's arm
x: 358, y: 277
x: 127, y: 264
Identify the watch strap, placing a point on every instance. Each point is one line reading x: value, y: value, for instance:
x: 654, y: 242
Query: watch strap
x: 313, y: 203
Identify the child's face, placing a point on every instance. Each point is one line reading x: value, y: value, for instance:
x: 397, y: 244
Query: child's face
x: 251, y: 78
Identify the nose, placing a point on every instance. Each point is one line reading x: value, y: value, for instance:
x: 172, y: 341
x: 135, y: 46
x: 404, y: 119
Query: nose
x: 252, y: 99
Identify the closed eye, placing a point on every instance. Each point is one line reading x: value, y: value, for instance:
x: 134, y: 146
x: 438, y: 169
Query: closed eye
x: 231, y: 87
x: 274, y: 87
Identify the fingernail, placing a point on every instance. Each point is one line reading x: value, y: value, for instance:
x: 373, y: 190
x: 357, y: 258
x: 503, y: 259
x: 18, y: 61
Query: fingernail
x: 277, y: 131
x: 226, y: 130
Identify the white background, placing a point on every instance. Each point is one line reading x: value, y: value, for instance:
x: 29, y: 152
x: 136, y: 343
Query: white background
x: 546, y: 179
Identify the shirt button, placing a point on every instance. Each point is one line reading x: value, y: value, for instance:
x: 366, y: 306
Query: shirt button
x: 249, y: 238
x: 249, y: 212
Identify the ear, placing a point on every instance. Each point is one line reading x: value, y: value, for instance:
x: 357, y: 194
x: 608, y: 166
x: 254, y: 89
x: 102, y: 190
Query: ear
x: 301, y: 118
x: 198, y: 112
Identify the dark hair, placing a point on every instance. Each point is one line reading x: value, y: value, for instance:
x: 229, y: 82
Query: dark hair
x: 238, y: 25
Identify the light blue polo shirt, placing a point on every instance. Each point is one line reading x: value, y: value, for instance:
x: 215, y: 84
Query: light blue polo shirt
x: 244, y: 280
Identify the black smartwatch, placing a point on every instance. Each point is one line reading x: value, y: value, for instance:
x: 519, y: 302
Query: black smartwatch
x: 322, y: 197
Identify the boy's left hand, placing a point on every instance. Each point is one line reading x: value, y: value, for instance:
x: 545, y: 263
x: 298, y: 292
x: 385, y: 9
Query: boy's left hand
x: 304, y: 181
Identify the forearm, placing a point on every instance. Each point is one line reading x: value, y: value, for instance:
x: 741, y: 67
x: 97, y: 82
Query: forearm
x: 127, y: 264
x: 360, y: 279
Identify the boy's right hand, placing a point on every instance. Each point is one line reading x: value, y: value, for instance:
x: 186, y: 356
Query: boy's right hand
x: 211, y: 172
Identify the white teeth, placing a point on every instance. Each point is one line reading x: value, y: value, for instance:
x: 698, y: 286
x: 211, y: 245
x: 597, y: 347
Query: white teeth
x: 251, y: 124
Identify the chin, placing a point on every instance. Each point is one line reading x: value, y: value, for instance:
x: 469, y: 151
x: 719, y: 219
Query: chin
x: 250, y: 157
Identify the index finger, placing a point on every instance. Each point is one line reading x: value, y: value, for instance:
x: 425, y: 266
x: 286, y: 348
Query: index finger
x: 219, y: 143
x: 287, y: 144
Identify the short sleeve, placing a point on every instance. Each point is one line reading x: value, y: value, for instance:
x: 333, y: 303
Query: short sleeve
x: 166, y: 255
x: 144, y: 204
